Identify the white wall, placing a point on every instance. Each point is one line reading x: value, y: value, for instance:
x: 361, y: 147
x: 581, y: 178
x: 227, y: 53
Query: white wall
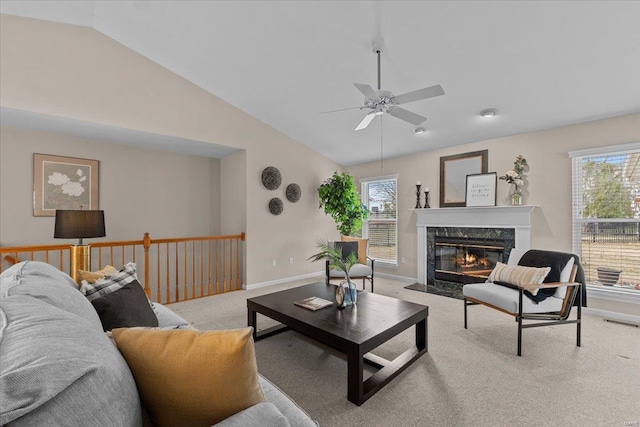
x: 548, y: 180
x: 141, y: 190
x: 77, y: 73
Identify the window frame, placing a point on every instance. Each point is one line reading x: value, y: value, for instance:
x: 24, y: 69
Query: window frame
x: 364, y: 193
x: 597, y: 291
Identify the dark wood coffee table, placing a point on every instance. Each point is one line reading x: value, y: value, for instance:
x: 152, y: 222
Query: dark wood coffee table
x: 354, y: 330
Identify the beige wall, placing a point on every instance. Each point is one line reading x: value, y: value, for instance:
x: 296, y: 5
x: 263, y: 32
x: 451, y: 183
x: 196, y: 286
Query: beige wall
x: 548, y: 180
x: 75, y: 72
x: 141, y: 190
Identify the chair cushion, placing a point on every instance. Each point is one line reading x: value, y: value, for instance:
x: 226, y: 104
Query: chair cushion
x: 507, y: 298
x: 191, y: 378
x: 362, y: 247
x: 358, y: 270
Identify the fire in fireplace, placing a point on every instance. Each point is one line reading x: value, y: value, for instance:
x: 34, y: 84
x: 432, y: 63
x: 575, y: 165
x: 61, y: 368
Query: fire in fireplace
x: 466, y: 260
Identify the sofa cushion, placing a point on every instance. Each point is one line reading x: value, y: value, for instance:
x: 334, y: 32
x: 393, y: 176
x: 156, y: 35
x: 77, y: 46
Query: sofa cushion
x: 57, y: 369
x: 507, y: 298
x: 167, y: 317
x: 261, y: 415
x: 191, y: 378
x: 517, y: 275
x: 287, y: 406
x: 46, y: 283
x: 125, y: 308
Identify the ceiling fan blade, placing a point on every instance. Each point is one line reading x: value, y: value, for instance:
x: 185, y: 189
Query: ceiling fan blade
x: 407, y: 116
x: 367, y: 119
x: 344, y: 109
x: 367, y: 91
x: 417, y: 95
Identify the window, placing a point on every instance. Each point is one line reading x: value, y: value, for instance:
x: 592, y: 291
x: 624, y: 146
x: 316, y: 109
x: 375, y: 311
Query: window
x: 606, y: 216
x: 381, y: 228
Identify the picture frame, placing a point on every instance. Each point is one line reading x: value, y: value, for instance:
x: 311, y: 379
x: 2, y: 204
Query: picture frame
x: 64, y: 183
x: 481, y: 189
x: 453, y: 175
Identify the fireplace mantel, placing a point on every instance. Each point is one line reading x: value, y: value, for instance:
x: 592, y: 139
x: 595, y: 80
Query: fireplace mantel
x: 516, y: 217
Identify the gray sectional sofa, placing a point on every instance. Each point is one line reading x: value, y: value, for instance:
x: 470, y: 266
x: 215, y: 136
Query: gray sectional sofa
x: 58, y: 366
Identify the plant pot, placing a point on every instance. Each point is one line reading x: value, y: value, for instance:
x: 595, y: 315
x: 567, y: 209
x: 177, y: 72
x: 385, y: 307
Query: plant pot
x: 608, y: 276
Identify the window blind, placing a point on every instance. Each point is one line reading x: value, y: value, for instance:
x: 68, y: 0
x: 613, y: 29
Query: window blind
x: 606, y: 214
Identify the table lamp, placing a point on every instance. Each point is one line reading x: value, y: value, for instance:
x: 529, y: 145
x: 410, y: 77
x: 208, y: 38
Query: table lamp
x: 80, y: 224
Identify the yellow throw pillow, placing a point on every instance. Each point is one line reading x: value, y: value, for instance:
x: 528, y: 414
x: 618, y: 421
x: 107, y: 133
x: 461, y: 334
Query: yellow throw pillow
x: 189, y: 377
x: 93, y: 276
x: 519, y: 275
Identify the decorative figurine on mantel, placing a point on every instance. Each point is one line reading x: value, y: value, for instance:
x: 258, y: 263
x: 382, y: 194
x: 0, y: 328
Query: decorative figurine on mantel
x: 418, y: 185
x: 426, y: 198
x: 515, y: 177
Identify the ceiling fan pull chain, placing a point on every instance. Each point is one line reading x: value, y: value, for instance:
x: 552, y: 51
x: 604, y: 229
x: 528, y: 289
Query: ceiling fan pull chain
x: 378, y: 52
x: 381, y: 151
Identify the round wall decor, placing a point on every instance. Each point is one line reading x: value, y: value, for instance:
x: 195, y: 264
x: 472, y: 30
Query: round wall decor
x: 293, y: 193
x: 276, y: 206
x: 271, y: 178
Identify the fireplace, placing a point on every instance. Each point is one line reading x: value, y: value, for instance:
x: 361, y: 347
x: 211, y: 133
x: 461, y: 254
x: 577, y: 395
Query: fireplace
x: 465, y: 260
x: 464, y: 255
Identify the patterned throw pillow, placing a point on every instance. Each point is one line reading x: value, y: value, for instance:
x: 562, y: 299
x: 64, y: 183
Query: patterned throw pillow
x: 111, y: 283
x: 518, y: 275
x: 120, y: 300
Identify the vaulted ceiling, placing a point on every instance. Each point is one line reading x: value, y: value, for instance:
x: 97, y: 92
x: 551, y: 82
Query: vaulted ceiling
x: 540, y: 64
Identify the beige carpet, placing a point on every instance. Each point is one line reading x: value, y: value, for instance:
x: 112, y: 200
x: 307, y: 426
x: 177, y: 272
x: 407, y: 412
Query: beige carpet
x: 469, y: 377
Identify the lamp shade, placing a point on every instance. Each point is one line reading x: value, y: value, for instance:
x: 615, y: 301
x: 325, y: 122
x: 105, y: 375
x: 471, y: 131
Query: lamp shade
x: 74, y: 224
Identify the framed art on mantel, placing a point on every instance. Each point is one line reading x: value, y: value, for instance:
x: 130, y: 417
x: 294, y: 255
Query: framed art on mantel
x: 481, y: 189
x: 63, y: 183
x: 453, y: 175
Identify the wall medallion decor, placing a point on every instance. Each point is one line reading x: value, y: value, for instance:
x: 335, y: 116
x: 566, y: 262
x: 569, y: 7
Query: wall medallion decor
x: 64, y: 183
x: 271, y: 178
x: 276, y: 206
x: 453, y: 175
x: 293, y: 193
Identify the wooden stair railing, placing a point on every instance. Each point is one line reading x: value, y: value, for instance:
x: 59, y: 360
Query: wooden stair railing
x: 172, y: 270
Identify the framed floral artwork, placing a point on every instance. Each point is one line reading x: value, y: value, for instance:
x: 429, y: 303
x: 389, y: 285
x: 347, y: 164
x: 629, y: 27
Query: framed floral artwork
x: 64, y: 183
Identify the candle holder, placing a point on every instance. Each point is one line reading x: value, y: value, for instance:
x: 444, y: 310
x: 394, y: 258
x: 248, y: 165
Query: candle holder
x: 418, y: 186
x: 426, y: 200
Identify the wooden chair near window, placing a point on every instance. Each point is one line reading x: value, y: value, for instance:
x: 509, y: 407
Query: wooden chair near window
x: 365, y: 267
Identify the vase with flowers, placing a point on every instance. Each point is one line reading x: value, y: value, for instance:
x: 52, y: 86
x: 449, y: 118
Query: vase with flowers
x: 346, y: 292
x: 515, y: 176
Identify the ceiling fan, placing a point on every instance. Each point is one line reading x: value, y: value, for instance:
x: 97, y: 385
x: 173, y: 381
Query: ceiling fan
x: 384, y: 101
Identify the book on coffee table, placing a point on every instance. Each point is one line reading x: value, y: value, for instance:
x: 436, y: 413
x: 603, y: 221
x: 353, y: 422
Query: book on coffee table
x: 313, y: 303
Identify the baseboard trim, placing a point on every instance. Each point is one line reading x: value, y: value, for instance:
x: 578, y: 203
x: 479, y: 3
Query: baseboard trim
x: 393, y: 276
x: 621, y: 317
x: 280, y: 281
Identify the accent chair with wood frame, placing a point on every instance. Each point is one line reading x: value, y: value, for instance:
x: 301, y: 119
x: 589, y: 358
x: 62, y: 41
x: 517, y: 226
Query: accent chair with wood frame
x: 562, y: 285
x: 362, y: 270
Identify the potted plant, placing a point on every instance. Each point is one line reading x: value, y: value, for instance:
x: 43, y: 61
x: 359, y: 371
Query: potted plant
x: 346, y: 293
x: 340, y: 200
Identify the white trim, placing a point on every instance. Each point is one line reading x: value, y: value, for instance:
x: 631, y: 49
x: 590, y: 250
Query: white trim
x: 378, y: 178
x: 613, y: 294
x: 280, y: 281
x: 622, y: 317
x: 612, y: 149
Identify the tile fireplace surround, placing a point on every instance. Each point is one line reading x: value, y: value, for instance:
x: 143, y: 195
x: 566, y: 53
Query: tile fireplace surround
x: 514, y: 217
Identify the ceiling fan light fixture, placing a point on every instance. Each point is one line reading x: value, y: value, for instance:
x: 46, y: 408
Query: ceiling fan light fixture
x: 419, y: 130
x: 489, y: 113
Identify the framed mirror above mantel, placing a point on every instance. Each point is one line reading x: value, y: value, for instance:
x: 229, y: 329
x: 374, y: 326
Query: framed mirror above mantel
x: 453, y: 175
